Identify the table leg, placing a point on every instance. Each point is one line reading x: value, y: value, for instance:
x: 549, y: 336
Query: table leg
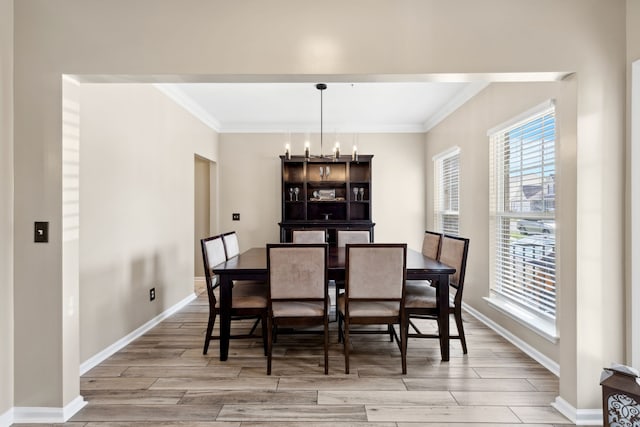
x: 225, y: 315
x: 443, y: 317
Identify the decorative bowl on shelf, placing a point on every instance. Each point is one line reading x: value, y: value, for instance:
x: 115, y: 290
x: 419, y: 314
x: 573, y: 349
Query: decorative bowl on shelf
x: 324, y: 195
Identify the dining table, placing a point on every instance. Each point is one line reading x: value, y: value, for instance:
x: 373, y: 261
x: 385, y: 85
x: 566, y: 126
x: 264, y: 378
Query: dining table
x: 252, y: 265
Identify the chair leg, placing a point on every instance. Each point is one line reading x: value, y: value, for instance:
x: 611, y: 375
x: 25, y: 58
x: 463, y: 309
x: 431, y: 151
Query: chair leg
x: 326, y: 344
x: 390, y: 330
x: 207, y: 338
x: 346, y: 346
x: 340, y: 333
x: 269, y: 343
x: 403, y: 342
x: 264, y: 332
x: 458, y: 315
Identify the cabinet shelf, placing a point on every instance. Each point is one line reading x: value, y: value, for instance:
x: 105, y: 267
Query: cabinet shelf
x: 323, y: 184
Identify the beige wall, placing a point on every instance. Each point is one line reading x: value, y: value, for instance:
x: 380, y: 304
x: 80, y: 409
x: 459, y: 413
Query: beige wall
x: 250, y: 185
x: 467, y: 128
x: 6, y: 205
x: 287, y: 37
x: 136, y: 207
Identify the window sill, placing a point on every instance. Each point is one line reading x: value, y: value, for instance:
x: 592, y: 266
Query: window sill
x: 542, y: 327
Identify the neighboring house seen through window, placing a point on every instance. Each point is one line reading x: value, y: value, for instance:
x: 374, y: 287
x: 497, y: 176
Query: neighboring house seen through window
x: 446, y: 191
x: 522, y: 220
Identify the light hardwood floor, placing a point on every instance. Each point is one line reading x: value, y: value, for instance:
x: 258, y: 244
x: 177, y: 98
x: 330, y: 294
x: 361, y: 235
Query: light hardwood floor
x: 162, y: 379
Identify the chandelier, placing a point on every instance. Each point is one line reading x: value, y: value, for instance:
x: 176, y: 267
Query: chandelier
x: 307, y: 145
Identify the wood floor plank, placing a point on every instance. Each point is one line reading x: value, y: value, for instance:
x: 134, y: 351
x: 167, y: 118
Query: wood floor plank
x: 468, y: 384
x: 478, y: 424
x: 216, y: 384
x: 442, y: 371
x: 99, y: 412
x: 539, y: 414
x: 461, y: 414
x: 389, y: 397
x: 182, y: 371
x: 116, y: 383
x: 509, y: 372
x: 256, y: 397
x: 165, y: 424
x: 344, y: 383
x: 501, y: 398
x: 133, y: 397
x: 316, y: 424
x: 298, y: 413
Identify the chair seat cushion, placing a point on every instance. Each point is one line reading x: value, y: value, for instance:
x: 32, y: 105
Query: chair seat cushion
x: 248, y: 295
x: 420, y: 295
x: 369, y: 308
x: 298, y: 308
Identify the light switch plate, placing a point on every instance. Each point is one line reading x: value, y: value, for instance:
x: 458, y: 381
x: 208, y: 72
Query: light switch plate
x: 41, y: 232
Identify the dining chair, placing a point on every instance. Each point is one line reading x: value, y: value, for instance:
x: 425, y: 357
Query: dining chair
x: 421, y: 300
x: 353, y: 236
x: 309, y: 236
x: 231, y: 245
x: 431, y: 243
x: 248, y: 301
x: 375, y: 276
x: 298, y: 291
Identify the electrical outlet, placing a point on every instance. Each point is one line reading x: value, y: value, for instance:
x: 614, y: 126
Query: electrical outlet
x: 152, y: 294
x: 235, y: 217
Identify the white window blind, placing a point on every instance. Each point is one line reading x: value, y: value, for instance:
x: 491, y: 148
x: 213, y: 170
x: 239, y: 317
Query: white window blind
x: 522, y: 201
x: 446, y: 191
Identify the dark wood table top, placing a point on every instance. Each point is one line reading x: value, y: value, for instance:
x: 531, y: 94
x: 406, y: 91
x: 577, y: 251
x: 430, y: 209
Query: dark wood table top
x: 254, y: 261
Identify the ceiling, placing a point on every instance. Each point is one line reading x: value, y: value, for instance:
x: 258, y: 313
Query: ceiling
x: 347, y: 107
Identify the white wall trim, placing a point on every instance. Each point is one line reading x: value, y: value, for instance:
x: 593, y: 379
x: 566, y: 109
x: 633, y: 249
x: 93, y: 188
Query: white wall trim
x: 42, y: 415
x: 187, y: 103
x: 456, y: 102
x: 580, y: 417
x: 545, y: 361
x: 124, y: 341
x: 634, y: 196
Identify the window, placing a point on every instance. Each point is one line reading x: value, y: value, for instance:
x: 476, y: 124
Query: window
x: 522, y: 221
x: 446, y: 194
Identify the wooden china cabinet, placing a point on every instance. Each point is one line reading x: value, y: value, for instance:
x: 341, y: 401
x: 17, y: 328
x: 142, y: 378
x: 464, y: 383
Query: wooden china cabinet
x: 327, y: 194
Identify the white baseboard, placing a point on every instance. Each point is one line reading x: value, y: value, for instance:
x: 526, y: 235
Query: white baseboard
x: 580, y: 417
x: 6, y: 419
x: 42, y: 415
x: 548, y: 363
x: 98, y: 358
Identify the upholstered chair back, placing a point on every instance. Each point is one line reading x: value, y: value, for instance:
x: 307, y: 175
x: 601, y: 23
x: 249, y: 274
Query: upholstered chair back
x: 309, y: 236
x: 454, y: 253
x: 297, y: 272
x: 231, y: 245
x: 375, y: 271
x: 431, y: 244
x: 215, y: 254
x: 353, y: 236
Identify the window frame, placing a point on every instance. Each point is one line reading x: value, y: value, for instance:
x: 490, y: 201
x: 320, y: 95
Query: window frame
x: 514, y: 305
x: 438, y: 189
